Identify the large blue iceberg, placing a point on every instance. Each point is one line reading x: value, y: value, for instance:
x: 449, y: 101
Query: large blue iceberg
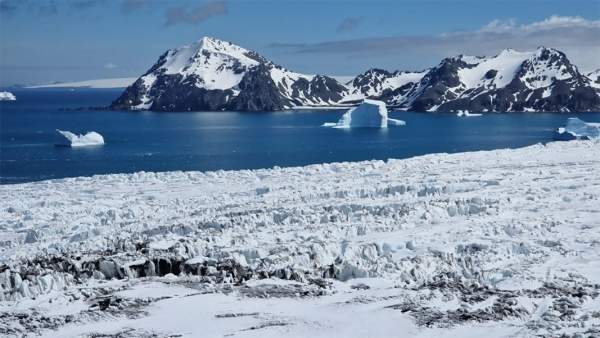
x: 576, y: 129
x: 369, y: 114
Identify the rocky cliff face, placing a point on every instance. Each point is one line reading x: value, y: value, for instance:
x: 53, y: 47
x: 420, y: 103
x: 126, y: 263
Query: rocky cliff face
x: 216, y: 75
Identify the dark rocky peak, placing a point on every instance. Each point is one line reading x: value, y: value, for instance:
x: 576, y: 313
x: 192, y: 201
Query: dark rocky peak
x: 258, y: 92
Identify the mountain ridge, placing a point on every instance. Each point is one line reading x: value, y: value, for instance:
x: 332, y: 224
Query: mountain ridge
x: 212, y: 74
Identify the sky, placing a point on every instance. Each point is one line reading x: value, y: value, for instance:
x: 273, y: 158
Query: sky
x: 44, y: 41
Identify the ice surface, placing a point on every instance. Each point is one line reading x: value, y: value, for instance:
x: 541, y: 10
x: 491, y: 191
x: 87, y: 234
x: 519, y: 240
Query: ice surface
x: 497, y: 243
x: 578, y: 129
x: 7, y: 96
x: 91, y: 138
x: 97, y: 83
x: 369, y: 114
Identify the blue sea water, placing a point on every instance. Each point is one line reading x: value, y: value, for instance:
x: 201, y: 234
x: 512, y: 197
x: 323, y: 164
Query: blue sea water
x: 146, y: 141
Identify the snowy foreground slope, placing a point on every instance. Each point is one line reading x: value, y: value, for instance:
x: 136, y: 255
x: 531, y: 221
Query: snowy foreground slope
x: 498, y: 243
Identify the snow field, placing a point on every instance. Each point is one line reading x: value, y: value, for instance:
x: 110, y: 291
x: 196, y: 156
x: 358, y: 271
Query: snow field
x: 491, y: 243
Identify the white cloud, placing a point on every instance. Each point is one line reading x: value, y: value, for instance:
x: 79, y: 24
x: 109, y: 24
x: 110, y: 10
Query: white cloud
x: 578, y: 37
x: 556, y: 21
x: 110, y: 65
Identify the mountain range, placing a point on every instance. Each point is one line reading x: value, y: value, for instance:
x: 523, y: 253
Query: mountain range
x: 214, y: 75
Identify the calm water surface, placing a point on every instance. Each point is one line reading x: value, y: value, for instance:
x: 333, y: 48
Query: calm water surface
x: 144, y: 141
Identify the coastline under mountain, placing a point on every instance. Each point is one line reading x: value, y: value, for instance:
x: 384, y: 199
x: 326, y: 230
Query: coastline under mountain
x: 215, y: 75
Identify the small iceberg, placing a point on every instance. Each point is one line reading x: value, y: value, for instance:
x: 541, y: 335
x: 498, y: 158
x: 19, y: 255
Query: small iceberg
x: 91, y: 138
x: 369, y: 114
x: 7, y: 96
x: 465, y: 113
x: 576, y: 129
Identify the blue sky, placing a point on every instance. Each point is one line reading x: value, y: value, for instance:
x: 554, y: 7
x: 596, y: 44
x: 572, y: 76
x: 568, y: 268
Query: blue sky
x: 65, y: 40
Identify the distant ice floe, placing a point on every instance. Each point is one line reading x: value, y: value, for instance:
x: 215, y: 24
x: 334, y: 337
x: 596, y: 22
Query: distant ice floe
x: 576, y: 129
x: 370, y: 114
x: 464, y: 113
x: 91, y: 138
x: 98, y: 83
x: 7, y: 96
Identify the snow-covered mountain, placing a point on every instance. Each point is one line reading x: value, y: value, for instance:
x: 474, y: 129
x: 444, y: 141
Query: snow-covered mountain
x: 595, y: 78
x: 216, y: 75
x: 382, y: 84
x: 542, y: 80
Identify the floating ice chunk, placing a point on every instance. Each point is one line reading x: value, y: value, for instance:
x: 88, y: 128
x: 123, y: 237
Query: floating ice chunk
x: 464, y: 113
x: 576, y: 129
x: 7, y: 96
x: 91, y: 138
x: 369, y: 114
x: 395, y: 122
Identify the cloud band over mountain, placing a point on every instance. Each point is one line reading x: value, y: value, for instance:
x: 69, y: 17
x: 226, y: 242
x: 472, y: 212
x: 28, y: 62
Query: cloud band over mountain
x: 577, y: 36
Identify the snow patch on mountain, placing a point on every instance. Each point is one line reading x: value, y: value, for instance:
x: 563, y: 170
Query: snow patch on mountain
x: 495, y: 72
x: 219, y: 64
x: 595, y: 78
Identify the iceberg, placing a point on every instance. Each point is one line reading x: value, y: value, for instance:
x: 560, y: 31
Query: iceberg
x: 369, y: 114
x: 465, y: 113
x: 91, y: 138
x: 576, y: 129
x: 7, y: 96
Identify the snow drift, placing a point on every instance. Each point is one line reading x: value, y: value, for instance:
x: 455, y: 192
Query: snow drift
x: 7, y: 96
x: 91, y: 138
x: 370, y: 114
x: 576, y: 129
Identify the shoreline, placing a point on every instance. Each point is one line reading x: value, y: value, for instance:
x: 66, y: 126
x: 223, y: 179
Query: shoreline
x: 274, y: 168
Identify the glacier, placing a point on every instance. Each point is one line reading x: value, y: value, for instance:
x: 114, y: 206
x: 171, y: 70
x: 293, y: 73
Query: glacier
x: 91, y: 138
x: 489, y: 243
x: 578, y: 129
x: 7, y: 96
x: 369, y: 114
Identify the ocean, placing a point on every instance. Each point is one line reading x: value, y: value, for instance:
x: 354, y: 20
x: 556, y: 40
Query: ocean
x: 148, y: 141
